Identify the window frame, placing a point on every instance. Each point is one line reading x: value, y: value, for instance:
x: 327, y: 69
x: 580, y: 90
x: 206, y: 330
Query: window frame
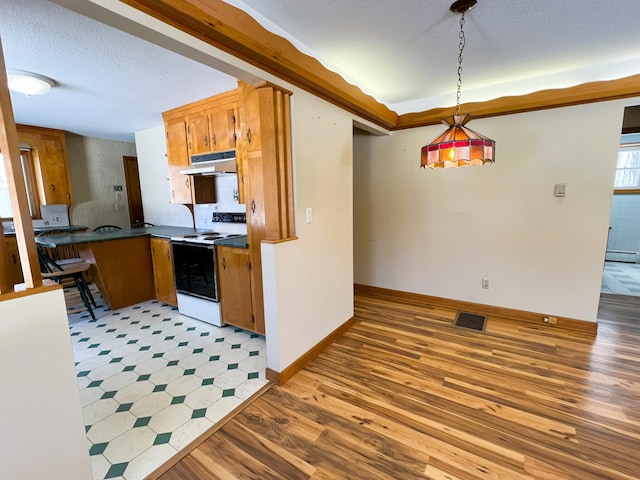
x: 635, y: 189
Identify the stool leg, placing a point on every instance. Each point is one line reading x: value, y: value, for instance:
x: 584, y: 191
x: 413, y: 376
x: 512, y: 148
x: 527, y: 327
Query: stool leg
x: 83, y: 295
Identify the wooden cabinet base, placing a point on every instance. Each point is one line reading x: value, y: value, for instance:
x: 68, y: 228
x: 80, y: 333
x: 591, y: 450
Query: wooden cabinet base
x: 235, y: 288
x: 163, y: 277
x: 121, y: 269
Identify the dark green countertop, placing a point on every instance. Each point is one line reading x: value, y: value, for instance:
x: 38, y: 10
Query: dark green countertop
x: 37, y: 230
x: 92, y: 237
x: 237, y: 242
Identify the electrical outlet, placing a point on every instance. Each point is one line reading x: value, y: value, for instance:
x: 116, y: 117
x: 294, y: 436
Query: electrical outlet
x: 485, y: 283
x: 309, y: 215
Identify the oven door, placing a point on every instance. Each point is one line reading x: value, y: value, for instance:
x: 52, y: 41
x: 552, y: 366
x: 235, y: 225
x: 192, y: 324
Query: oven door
x: 195, y: 270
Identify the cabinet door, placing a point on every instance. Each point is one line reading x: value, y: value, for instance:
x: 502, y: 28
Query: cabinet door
x: 54, y: 172
x: 198, y: 133
x: 178, y: 158
x: 163, y: 277
x: 15, y: 269
x: 235, y: 287
x: 249, y: 119
x: 222, y: 123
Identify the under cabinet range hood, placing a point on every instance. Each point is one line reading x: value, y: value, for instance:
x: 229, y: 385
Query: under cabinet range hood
x: 215, y: 163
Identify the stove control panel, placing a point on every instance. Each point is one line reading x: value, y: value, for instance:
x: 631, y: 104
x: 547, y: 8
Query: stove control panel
x: 229, y: 217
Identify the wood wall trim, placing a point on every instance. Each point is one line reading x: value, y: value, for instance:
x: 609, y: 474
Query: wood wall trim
x: 25, y: 237
x: 235, y: 32
x: 280, y: 240
x: 544, y: 99
x: 22, y: 291
x: 564, y: 323
x: 283, y: 376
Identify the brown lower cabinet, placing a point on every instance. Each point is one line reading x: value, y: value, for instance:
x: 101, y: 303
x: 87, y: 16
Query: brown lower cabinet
x: 163, y: 277
x: 15, y: 269
x: 234, y: 277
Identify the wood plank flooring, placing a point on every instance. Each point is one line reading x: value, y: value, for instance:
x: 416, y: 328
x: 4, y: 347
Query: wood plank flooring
x: 405, y: 395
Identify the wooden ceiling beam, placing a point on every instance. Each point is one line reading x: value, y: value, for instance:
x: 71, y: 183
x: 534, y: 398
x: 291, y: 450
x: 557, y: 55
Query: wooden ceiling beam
x: 237, y: 33
x: 544, y: 99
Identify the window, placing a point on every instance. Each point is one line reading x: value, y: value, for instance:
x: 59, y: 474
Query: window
x: 628, y: 167
x: 28, y: 172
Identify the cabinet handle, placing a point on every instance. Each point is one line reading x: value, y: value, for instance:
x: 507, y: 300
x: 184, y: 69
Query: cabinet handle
x: 235, y: 138
x: 213, y: 139
x: 206, y: 141
x: 253, y: 206
x: 249, y: 135
x: 15, y: 260
x: 168, y: 255
x: 224, y: 263
x: 189, y: 145
x: 53, y: 187
x: 186, y: 183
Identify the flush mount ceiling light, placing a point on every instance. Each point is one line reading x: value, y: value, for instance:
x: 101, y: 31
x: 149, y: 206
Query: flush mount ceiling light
x: 29, y: 83
x: 459, y: 145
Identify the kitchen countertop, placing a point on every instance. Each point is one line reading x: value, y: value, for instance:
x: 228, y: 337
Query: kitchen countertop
x: 237, y: 242
x: 37, y: 230
x: 93, y: 237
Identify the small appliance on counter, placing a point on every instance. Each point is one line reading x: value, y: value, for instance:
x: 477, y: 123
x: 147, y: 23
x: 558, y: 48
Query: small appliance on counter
x: 53, y: 216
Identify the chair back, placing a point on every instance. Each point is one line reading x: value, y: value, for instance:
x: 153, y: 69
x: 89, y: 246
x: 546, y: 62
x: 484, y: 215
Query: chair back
x: 107, y: 228
x: 57, y: 254
x: 142, y: 224
x: 47, y: 265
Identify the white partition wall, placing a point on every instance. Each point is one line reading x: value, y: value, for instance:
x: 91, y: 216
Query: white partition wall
x: 43, y: 434
x: 440, y: 232
x: 309, y: 281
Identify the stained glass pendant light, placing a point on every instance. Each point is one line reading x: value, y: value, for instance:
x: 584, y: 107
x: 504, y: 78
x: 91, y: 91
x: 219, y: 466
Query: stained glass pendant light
x: 459, y: 145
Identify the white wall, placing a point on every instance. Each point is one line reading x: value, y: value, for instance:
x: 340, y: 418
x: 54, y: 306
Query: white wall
x: 96, y: 166
x: 154, y: 181
x: 440, y: 232
x: 42, y: 433
x: 309, y: 282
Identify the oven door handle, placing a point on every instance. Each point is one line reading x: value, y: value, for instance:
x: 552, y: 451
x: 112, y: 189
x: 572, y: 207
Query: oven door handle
x: 208, y: 246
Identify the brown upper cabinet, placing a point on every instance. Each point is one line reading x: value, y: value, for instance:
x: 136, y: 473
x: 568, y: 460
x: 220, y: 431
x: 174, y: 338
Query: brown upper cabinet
x: 46, y: 165
x: 255, y: 120
x: 204, y: 126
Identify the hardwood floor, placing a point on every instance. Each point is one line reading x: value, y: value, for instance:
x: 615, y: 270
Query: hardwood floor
x: 405, y: 395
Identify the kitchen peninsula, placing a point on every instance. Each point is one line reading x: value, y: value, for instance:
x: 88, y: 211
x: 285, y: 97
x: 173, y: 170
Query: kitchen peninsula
x: 121, y: 261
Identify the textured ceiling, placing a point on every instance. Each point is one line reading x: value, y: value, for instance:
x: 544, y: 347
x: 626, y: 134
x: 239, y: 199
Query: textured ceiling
x: 403, y: 52
x: 110, y: 84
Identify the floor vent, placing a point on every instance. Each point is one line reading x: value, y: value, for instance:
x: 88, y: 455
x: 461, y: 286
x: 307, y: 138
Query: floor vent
x: 470, y: 320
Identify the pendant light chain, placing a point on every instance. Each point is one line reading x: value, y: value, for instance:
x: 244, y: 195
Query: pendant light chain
x: 459, y: 145
x: 461, y: 48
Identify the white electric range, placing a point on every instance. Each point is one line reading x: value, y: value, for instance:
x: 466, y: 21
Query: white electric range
x: 195, y: 269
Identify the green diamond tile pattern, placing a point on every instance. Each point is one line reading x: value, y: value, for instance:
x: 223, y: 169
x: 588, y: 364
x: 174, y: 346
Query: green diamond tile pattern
x: 116, y: 470
x: 132, y: 406
x: 162, y: 438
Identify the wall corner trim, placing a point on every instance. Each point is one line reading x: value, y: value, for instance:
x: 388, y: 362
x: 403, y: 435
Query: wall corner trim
x: 282, y: 377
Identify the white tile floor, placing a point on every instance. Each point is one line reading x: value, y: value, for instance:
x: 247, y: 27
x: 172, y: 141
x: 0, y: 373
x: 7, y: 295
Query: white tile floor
x: 152, y: 380
x: 621, y: 278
